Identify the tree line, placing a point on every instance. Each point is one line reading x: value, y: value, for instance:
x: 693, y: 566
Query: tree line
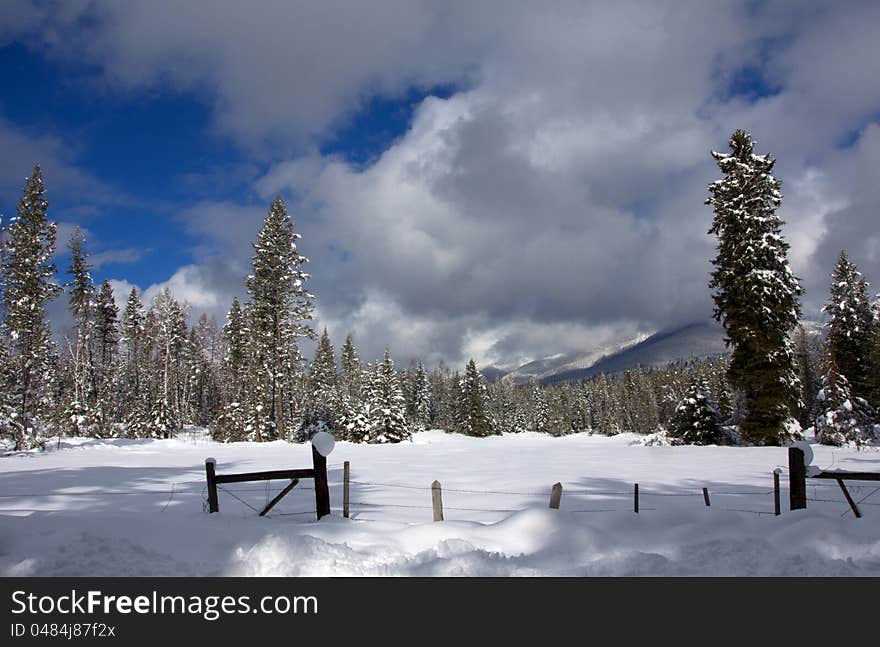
x: 146, y: 371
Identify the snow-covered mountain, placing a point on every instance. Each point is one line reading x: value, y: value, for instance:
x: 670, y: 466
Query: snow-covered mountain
x: 695, y: 340
x: 546, y: 368
x: 658, y: 349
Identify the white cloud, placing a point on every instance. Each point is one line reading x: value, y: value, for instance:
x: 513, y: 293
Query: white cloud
x: 556, y: 197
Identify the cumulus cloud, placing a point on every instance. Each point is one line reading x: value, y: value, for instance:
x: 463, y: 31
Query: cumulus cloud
x: 554, y: 200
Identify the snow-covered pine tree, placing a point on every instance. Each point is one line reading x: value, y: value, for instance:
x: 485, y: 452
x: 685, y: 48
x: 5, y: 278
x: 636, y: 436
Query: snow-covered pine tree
x: 234, y: 363
x: 608, y: 407
x: 323, y: 407
x: 540, y: 419
x: 7, y: 402
x: 28, y: 272
x: 873, y: 395
x: 581, y: 420
x: 170, y: 332
x: 280, y: 309
x: 230, y: 424
x: 353, y: 422
x: 259, y: 424
x: 755, y: 292
x: 696, y: 420
x: 438, y: 388
x: 81, y: 303
x: 474, y: 408
x: 502, y: 405
x: 558, y: 409
x: 843, y: 418
x: 351, y: 369
x: 386, y: 406
x: 105, y: 342
x: 204, y: 370
x: 80, y: 396
x: 643, y: 401
x: 421, y: 397
x: 132, y: 410
x: 851, y: 324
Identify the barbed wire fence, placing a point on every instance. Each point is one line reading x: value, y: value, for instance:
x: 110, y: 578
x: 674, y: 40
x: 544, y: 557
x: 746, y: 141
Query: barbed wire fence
x: 245, y: 497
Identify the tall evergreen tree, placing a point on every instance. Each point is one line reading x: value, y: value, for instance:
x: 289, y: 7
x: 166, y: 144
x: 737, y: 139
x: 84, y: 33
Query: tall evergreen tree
x: 170, y: 330
x: 421, y: 415
x: 540, y: 412
x: 386, y: 405
x: 474, y: 408
x: 105, y: 342
x: 81, y: 304
x: 234, y: 363
x: 132, y: 333
x: 280, y: 309
x: 351, y: 369
x: 230, y: 424
x: 323, y: 409
x: 755, y: 292
x: 873, y: 385
x: 851, y: 324
x: 28, y: 284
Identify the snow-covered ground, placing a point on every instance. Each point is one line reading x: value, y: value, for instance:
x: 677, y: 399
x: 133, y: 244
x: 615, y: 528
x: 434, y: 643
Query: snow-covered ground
x: 118, y: 507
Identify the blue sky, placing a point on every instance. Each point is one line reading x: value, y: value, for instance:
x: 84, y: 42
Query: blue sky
x: 499, y: 180
x: 157, y: 152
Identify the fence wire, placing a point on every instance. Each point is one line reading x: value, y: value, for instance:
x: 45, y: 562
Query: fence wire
x: 180, y: 487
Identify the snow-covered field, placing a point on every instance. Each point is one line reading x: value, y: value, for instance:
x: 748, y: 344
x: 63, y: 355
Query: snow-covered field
x: 118, y: 507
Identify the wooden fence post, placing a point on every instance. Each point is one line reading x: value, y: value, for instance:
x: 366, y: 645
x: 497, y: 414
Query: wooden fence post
x: 322, y: 490
x: 437, y: 501
x: 213, y: 505
x: 706, y: 496
x: 849, y: 499
x: 636, y: 498
x: 797, y: 479
x: 777, y: 507
x: 556, y: 496
x: 345, y: 489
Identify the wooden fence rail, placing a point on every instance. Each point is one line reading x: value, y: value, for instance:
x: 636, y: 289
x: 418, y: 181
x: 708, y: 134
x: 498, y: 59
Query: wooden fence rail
x: 318, y: 472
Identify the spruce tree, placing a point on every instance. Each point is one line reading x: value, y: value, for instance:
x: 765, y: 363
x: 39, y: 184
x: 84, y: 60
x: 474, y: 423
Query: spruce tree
x: 280, y: 309
x: 132, y: 333
x: 105, y: 343
x: 28, y: 284
x: 540, y: 421
x: 323, y: 410
x: 755, y: 291
x: 7, y: 377
x: 475, y: 419
x: 170, y: 331
x: 873, y: 384
x: 851, y: 324
x: 386, y: 415
x: 234, y: 362
x: 81, y: 304
x: 230, y: 423
x: 421, y: 397
x: 352, y: 424
x: 843, y: 418
x: 696, y: 420
x: 351, y: 369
